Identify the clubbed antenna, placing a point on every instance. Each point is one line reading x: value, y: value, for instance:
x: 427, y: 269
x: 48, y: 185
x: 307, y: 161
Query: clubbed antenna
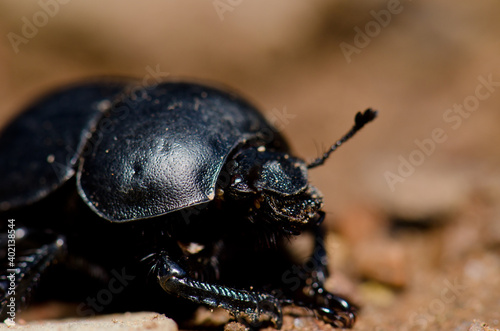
x: 359, y: 121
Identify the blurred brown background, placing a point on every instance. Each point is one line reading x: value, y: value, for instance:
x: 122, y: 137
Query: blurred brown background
x: 417, y: 62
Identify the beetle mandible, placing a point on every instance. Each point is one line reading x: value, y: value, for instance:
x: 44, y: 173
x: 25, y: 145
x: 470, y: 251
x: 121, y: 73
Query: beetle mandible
x: 179, y: 182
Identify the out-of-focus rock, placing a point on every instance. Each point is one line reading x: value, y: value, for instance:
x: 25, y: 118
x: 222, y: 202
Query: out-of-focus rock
x: 207, y: 317
x: 425, y: 196
x: 127, y: 321
x: 480, y: 326
x: 235, y: 326
x: 377, y: 294
x: 382, y: 260
x: 369, y: 251
x: 358, y: 223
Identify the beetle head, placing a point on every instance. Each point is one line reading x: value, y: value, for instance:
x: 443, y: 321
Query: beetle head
x: 277, y: 185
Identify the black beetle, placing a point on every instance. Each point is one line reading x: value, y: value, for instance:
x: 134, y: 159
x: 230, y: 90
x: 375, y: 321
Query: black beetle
x: 178, y: 181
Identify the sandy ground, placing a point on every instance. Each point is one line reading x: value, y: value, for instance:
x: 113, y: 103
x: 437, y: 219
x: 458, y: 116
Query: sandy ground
x: 412, y: 202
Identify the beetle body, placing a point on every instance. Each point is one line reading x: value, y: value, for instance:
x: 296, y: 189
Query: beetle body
x: 180, y: 183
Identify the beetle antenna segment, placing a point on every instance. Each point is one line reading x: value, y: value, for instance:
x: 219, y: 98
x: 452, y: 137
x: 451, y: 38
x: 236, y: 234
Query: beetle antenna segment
x: 359, y: 121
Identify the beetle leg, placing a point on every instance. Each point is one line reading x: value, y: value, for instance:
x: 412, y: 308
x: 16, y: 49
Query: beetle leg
x: 24, y: 272
x: 253, y: 308
x: 330, y: 307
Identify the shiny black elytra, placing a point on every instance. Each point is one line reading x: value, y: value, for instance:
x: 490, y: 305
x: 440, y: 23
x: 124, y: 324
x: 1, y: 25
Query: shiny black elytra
x: 179, y: 183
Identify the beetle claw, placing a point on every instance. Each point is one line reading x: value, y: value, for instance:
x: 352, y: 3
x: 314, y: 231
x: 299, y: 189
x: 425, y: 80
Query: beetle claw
x: 339, y: 319
x: 336, y: 310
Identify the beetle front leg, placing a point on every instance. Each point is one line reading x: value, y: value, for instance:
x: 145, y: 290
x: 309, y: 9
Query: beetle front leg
x: 332, y: 308
x: 312, y: 294
x: 251, y: 307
